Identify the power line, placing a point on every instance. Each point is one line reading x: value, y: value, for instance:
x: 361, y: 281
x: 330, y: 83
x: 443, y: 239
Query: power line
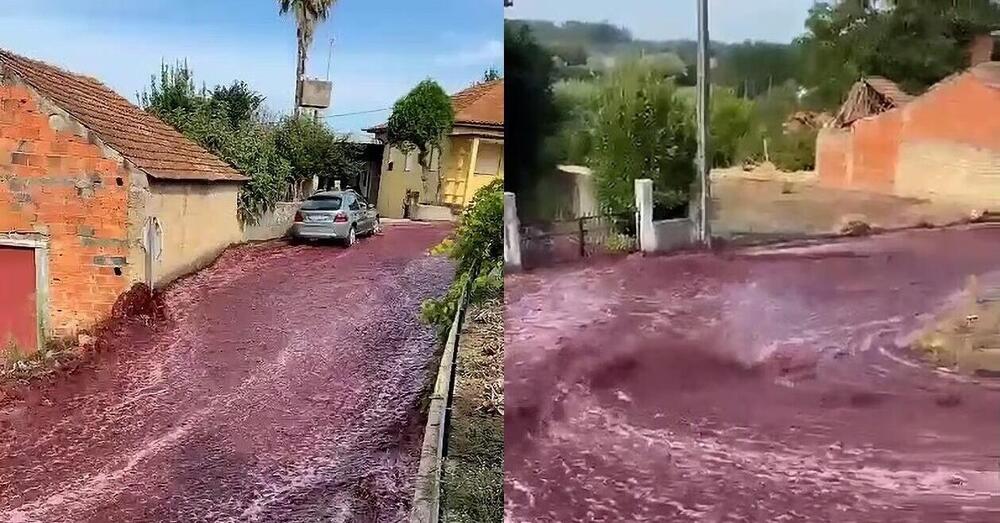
x: 358, y: 112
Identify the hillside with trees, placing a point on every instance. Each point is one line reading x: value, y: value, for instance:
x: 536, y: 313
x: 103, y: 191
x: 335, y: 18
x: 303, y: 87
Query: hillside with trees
x: 762, y: 91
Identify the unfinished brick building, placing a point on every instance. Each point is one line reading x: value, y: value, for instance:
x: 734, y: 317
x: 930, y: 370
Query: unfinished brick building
x: 95, y: 195
x: 943, y: 145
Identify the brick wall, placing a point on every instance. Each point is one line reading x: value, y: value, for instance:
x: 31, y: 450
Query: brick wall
x: 952, y: 144
x: 963, y: 110
x: 945, y: 144
x: 874, y: 152
x: 57, y: 181
x: 833, y: 151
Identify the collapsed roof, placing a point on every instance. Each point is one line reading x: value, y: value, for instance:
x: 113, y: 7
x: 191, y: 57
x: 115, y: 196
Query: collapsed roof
x: 870, y: 96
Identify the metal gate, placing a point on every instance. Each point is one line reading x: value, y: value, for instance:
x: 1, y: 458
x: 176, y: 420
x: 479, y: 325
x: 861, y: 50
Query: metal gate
x: 560, y: 241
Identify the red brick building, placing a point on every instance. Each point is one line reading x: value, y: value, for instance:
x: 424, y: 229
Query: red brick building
x: 95, y: 195
x: 943, y: 145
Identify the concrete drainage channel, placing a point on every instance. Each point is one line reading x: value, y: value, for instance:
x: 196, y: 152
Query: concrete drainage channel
x: 427, y: 492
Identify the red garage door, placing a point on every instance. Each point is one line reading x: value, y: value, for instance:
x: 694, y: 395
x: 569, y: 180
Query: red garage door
x: 18, y: 313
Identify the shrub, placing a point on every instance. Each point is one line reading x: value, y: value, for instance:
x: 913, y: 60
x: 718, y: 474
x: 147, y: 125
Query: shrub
x: 732, y: 122
x: 479, y: 236
x: 641, y: 129
x: 476, y: 243
x: 796, y: 151
x: 227, y: 121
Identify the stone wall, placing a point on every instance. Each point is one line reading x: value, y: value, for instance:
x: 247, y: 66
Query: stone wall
x: 273, y: 224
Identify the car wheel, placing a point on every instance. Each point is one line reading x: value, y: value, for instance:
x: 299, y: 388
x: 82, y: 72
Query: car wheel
x: 377, y: 227
x: 352, y: 236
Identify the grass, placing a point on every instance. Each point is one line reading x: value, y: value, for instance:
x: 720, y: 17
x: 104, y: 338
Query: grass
x: 17, y: 364
x: 473, y: 479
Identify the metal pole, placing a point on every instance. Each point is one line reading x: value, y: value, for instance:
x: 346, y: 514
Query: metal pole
x: 703, y: 158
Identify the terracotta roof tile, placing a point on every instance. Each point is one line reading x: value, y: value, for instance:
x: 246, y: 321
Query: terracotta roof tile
x: 480, y: 104
x: 143, y: 139
x: 889, y: 89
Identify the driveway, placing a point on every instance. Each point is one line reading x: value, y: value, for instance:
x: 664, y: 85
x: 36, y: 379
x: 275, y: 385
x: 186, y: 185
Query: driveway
x: 754, y: 385
x: 284, y: 385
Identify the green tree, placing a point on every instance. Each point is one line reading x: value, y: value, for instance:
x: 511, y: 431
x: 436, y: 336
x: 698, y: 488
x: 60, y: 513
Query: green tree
x: 752, y: 68
x: 227, y: 121
x: 913, y: 42
x: 570, y: 54
x: 242, y: 102
x: 421, y: 120
x: 528, y: 88
x: 491, y: 75
x: 308, y: 14
x: 172, y: 91
x: 312, y: 149
x: 575, y: 103
x: 477, y: 248
x: 642, y: 129
x: 732, y: 120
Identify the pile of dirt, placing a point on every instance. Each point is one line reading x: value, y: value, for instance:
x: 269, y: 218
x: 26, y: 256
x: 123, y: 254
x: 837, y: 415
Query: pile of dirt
x: 856, y: 228
x: 806, y: 120
x: 966, y: 338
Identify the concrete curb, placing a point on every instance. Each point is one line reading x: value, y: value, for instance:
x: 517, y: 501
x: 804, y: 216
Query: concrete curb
x: 426, y: 506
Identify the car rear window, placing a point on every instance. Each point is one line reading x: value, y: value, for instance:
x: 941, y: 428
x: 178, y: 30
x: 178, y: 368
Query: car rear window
x: 322, y: 203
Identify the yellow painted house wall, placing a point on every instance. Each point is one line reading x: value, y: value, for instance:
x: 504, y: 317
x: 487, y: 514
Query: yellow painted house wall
x: 460, y: 181
x: 406, y: 175
x: 478, y: 180
x: 198, y: 221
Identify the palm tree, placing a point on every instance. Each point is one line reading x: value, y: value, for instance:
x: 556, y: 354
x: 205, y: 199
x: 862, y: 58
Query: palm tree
x: 308, y: 13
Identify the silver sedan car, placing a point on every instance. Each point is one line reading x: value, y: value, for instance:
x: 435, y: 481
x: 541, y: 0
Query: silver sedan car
x: 335, y: 215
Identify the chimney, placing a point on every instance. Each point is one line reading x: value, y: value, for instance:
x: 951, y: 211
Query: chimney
x: 980, y: 49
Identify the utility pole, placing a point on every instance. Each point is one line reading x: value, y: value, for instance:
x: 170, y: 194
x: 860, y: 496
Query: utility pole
x: 703, y: 159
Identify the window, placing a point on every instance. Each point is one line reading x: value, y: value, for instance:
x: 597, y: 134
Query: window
x: 362, y: 202
x: 389, y: 168
x: 352, y: 203
x: 489, y: 158
x: 322, y: 202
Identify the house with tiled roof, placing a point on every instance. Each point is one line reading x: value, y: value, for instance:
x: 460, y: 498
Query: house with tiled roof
x: 471, y: 157
x: 96, y: 195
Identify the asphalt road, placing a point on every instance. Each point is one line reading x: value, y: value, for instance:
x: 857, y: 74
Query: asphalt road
x: 283, y: 385
x: 751, y: 385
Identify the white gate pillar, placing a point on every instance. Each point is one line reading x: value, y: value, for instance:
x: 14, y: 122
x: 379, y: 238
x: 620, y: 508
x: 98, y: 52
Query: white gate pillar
x: 511, y: 232
x: 644, y: 207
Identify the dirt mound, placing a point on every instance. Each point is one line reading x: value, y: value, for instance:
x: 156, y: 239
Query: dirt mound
x: 856, y: 228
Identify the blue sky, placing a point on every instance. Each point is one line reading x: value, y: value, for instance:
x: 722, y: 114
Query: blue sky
x: 381, y: 49
x: 730, y: 20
